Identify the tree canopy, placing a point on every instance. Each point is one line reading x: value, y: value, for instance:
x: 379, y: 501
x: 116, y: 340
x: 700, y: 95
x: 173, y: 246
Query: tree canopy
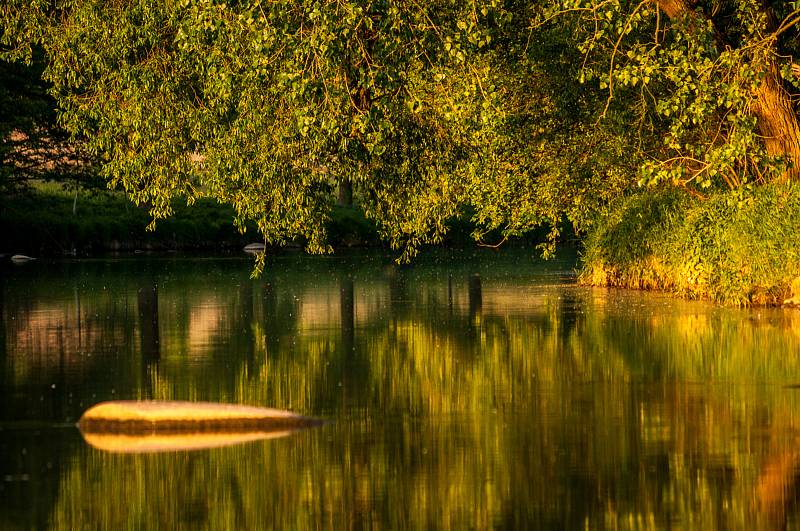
x: 710, y: 81
x: 518, y: 113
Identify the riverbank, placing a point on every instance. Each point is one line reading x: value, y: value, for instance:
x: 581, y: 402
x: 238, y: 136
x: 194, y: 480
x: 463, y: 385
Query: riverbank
x: 735, y: 248
x: 49, y: 220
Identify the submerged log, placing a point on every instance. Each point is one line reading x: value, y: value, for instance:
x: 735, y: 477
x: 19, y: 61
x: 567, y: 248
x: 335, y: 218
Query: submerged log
x: 130, y: 416
x: 152, y: 426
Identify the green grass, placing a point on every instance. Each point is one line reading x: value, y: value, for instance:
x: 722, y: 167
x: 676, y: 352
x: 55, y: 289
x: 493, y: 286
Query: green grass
x: 731, y: 247
x: 41, y: 221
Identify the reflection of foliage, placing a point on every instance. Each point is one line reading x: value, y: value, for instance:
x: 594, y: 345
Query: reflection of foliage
x: 558, y: 405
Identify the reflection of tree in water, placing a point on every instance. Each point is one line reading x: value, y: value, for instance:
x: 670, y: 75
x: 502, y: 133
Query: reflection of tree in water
x: 396, y: 277
x: 778, y: 484
x: 475, y: 298
x: 149, y: 335
x: 243, y: 325
x: 67, y: 344
x: 69, y: 335
x: 72, y: 343
x: 344, y: 363
x: 460, y: 472
x: 32, y: 464
x: 569, y: 314
x: 347, y: 313
x: 542, y: 416
x: 280, y: 312
x: 4, y: 377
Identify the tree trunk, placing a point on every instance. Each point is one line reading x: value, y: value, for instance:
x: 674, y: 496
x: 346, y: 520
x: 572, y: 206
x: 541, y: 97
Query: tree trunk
x: 346, y: 192
x: 777, y: 121
x: 674, y: 8
x: 772, y: 106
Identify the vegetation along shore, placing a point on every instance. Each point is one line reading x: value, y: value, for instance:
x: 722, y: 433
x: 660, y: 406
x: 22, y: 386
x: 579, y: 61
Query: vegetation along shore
x: 664, y: 134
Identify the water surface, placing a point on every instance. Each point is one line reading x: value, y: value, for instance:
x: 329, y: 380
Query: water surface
x: 470, y: 390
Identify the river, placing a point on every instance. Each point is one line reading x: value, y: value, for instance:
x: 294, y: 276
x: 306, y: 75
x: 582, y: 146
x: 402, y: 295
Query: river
x: 470, y: 390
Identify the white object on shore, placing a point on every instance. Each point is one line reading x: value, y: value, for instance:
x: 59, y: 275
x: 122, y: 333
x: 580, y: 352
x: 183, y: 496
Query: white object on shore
x: 254, y: 248
x: 21, y: 258
x: 795, y: 298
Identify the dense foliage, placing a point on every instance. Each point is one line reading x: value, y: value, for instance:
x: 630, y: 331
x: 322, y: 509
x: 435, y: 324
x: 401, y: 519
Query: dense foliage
x: 731, y: 250
x: 708, y: 80
x: 425, y: 108
x: 268, y: 106
x: 519, y: 114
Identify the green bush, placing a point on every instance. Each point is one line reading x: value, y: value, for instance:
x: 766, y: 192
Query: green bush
x: 42, y: 221
x: 732, y: 247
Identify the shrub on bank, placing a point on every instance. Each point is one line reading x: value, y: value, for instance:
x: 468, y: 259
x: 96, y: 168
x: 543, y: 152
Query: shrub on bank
x: 737, y: 247
x: 41, y: 221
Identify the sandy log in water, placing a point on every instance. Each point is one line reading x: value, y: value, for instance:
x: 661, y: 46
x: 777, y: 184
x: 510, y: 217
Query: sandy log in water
x: 167, y: 416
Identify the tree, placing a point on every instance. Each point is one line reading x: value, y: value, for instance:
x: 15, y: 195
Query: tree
x: 32, y: 145
x: 715, y: 76
x: 546, y: 160
x: 267, y: 106
x: 522, y: 113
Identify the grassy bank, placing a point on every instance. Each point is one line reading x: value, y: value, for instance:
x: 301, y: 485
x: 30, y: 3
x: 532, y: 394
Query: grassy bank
x: 730, y: 247
x: 42, y: 221
x: 49, y: 220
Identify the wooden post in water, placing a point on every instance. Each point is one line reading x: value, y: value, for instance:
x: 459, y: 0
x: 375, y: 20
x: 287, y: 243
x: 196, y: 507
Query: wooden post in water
x: 148, y: 323
x: 347, y: 314
x: 475, y: 295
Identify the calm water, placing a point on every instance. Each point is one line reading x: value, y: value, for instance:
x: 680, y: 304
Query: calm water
x: 467, y: 391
